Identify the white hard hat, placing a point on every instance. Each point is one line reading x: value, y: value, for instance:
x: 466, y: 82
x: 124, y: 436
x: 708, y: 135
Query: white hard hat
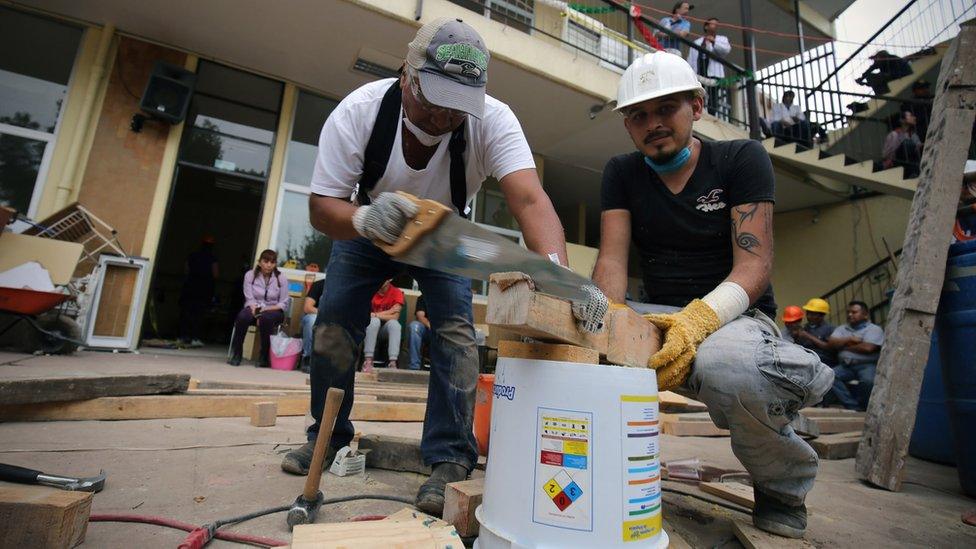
x: 655, y: 75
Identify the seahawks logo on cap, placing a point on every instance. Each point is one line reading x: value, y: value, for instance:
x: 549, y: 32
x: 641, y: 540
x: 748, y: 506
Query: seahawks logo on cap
x: 462, y: 59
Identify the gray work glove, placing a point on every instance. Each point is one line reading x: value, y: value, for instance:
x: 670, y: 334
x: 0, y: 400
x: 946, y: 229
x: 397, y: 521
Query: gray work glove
x: 384, y: 219
x: 589, y: 314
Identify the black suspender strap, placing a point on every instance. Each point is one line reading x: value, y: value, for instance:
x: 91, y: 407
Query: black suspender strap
x: 380, y: 146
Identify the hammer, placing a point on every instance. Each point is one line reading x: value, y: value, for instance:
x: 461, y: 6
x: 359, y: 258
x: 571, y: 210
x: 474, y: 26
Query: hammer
x: 24, y: 475
x: 307, y: 505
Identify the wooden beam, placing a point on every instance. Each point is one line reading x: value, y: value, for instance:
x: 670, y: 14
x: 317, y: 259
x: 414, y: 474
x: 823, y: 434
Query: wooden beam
x: 460, y: 501
x: 753, y: 538
x: 804, y: 426
x: 164, y: 407
x: 374, y: 534
x: 514, y: 305
x: 393, y: 453
x: 831, y: 425
x: 673, y: 402
x: 40, y: 516
x: 81, y: 387
x: 547, y: 351
x: 921, y: 270
x: 837, y: 446
x: 672, y: 425
x: 736, y: 492
x: 264, y: 414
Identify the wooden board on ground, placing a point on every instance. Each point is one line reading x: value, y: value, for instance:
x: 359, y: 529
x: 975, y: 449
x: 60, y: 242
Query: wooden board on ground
x: 401, y: 534
x: 830, y: 425
x: 199, y: 406
x: 921, y: 269
x: 754, y: 538
x: 82, y: 387
x: 547, y: 351
x: 40, y: 516
x: 264, y: 414
x: 736, y: 492
x: 674, y: 425
x: 460, y: 501
x: 393, y: 453
x: 837, y: 446
x: 514, y: 305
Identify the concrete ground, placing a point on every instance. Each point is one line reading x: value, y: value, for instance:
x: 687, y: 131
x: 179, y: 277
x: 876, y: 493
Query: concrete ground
x: 199, y: 470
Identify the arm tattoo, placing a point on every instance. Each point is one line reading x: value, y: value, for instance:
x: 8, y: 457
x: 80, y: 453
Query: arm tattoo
x: 745, y: 240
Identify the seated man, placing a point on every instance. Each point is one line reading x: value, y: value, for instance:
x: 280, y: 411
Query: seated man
x: 793, y: 322
x: 700, y: 214
x: 816, y: 333
x: 419, y: 334
x: 789, y: 122
x: 310, y: 309
x: 385, y: 315
x: 902, y: 146
x: 859, y: 345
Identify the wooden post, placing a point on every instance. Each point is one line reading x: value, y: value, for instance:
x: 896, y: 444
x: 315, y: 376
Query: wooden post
x: 891, y: 412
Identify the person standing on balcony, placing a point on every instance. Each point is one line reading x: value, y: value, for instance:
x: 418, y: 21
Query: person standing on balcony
x: 432, y: 132
x: 858, y: 345
x: 700, y: 214
x: 677, y: 23
x: 707, y: 66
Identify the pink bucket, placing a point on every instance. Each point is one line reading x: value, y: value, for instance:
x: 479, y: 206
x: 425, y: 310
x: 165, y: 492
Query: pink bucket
x: 286, y: 362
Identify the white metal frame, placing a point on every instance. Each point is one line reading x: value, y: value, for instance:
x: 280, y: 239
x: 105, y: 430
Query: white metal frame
x: 129, y: 341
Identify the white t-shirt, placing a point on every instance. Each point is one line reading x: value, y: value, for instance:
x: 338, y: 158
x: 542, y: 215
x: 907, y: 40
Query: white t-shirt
x: 496, y: 147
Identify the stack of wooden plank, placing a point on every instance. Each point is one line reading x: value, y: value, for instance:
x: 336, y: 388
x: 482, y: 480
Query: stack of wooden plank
x: 164, y: 396
x: 404, y: 529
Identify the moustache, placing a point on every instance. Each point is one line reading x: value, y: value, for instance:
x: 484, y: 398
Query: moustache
x: 656, y: 135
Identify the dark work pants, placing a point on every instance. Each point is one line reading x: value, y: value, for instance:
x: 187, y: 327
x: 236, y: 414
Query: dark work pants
x: 268, y: 323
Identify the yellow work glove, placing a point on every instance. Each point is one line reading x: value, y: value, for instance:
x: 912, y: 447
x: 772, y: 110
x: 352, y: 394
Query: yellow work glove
x: 683, y: 332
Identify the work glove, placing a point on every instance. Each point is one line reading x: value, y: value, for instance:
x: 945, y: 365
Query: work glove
x: 589, y: 313
x: 385, y: 218
x: 683, y: 332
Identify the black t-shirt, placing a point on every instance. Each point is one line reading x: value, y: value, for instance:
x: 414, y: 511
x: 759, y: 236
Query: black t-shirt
x: 315, y: 292
x: 684, y: 239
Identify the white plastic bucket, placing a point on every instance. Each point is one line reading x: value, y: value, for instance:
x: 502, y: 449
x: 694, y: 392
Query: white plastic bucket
x: 574, y: 460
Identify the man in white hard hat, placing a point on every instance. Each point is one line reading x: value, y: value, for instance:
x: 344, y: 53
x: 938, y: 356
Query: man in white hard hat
x: 700, y: 214
x: 434, y: 133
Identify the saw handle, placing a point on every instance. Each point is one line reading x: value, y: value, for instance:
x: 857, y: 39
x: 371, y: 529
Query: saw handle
x: 429, y: 215
x: 22, y: 475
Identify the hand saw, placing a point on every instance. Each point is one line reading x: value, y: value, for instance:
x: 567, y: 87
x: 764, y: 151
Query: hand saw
x: 436, y: 239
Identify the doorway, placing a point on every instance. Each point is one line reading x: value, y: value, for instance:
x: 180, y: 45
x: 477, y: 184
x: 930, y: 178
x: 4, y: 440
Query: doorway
x: 215, y: 204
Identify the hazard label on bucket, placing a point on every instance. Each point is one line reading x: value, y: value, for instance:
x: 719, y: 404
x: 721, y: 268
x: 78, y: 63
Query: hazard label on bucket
x: 641, y: 467
x: 563, y: 470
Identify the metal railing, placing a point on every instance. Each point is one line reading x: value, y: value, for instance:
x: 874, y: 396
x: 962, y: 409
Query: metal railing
x: 872, y: 286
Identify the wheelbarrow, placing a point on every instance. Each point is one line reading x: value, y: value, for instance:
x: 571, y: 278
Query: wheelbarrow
x: 49, y: 331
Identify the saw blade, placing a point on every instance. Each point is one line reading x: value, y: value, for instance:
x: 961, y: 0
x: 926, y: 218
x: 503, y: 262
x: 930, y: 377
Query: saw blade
x: 460, y: 247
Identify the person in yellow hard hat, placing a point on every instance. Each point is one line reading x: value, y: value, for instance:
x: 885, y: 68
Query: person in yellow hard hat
x: 816, y: 332
x: 700, y: 215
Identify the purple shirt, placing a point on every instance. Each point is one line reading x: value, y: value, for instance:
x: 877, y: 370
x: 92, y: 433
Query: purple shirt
x: 265, y: 294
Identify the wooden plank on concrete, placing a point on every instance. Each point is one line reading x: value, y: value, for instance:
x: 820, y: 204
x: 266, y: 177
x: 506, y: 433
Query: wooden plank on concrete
x: 375, y: 534
x: 460, y: 501
x: 921, y: 270
x: 736, y: 492
x: 754, y: 538
x: 399, y: 375
x: 393, y: 453
x: 837, y: 446
x: 40, y: 516
x: 264, y: 414
x: 548, y: 351
x: 830, y: 425
x: 163, y: 407
x: 82, y: 387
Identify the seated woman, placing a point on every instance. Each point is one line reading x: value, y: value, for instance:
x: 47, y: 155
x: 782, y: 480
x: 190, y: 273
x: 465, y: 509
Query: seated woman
x: 265, y: 302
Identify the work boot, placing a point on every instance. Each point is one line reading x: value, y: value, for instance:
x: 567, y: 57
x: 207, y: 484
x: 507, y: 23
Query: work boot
x: 299, y: 460
x: 430, y: 497
x: 235, y: 360
x: 778, y: 518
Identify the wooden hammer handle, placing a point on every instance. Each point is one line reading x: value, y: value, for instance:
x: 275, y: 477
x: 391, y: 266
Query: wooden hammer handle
x: 333, y: 400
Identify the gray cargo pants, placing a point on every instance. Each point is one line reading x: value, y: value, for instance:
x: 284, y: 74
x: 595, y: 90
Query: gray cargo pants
x: 753, y: 383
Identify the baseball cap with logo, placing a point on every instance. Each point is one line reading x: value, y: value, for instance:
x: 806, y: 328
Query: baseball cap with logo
x: 451, y: 60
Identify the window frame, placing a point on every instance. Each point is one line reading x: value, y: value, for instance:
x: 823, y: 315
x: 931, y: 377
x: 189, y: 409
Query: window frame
x: 50, y: 139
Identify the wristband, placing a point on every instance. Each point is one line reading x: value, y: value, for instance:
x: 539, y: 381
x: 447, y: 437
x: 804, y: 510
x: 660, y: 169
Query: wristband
x: 728, y: 300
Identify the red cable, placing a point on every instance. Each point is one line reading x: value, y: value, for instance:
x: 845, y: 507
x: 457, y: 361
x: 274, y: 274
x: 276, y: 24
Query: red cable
x: 198, y: 536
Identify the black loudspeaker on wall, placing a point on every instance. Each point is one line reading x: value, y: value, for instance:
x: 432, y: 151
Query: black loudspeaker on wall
x: 167, y: 95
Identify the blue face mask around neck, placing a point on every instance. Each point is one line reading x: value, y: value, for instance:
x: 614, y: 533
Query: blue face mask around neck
x: 676, y: 163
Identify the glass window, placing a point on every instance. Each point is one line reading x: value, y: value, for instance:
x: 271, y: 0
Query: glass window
x: 36, y: 58
x: 296, y: 238
x: 242, y: 87
x: 310, y: 114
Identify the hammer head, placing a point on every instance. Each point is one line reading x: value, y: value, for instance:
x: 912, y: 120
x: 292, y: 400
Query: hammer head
x: 87, y: 484
x: 304, y: 511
